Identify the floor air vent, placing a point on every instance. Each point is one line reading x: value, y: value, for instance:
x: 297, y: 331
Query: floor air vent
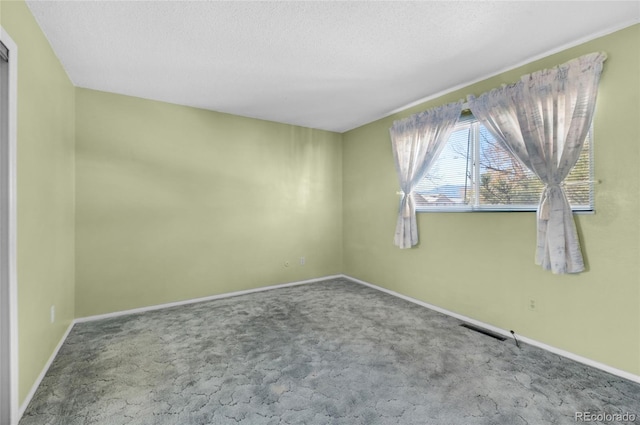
x: 483, y: 331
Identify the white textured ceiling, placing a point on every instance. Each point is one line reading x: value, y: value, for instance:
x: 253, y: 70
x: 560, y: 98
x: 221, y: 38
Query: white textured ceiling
x: 331, y: 65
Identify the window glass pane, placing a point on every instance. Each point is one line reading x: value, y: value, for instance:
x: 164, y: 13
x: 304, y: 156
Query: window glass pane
x: 474, y: 172
x: 503, y: 179
x: 448, y: 182
x: 579, y: 183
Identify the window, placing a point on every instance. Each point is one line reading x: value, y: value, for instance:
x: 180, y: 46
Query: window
x: 475, y: 173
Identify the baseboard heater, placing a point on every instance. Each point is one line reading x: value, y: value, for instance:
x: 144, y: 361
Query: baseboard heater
x: 483, y: 331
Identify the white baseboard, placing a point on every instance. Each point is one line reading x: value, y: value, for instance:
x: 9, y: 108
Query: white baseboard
x: 46, y: 367
x: 40, y: 377
x: 197, y: 300
x: 563, y: 353
x: 569, y: 355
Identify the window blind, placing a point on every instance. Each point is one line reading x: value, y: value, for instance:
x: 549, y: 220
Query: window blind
x: 474, y: 172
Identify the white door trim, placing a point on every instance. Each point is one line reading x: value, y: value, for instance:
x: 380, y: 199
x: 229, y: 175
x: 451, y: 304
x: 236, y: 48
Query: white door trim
x: 10, y: 203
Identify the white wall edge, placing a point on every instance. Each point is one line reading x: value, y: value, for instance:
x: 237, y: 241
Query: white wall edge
x: 202, y: 299
x: 12, y: 218
x: 506, y: 333
x: 44, y: 371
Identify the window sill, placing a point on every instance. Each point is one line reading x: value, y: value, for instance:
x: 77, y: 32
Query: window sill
x: 493, y: 210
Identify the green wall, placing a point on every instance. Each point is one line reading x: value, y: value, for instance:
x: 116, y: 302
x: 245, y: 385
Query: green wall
x: 176, y: 203
x: 481, y: 265
x: 45, y: 179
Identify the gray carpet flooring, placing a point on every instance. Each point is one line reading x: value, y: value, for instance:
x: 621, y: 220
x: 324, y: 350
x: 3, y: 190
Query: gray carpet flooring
x: 333, y: 352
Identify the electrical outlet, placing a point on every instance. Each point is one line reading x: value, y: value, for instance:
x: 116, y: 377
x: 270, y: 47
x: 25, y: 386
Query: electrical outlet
x: 53, y: 313
x: 532, y: 305
x: 302, y: 261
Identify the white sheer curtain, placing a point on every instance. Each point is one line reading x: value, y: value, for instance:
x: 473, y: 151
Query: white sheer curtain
x: 543, y: 120
x: 417, y: 141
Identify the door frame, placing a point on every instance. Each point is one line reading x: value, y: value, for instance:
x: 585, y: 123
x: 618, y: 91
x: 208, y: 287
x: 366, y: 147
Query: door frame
x: 8, y: 255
